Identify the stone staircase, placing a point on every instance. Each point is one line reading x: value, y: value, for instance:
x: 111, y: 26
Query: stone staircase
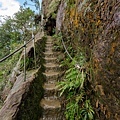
x: 50, y: 104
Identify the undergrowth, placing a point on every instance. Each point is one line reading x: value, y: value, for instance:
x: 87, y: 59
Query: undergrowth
x: 6, y: 68
x: 78, y: 106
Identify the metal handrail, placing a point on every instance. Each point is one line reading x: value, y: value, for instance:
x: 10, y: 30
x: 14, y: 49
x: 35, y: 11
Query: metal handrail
x: 23, y: 46
x: 3, y: 59
x: 25, y: 61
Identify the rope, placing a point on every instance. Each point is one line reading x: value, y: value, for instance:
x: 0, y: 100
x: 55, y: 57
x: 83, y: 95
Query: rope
x: 67, y: 51
x: 76, y: 63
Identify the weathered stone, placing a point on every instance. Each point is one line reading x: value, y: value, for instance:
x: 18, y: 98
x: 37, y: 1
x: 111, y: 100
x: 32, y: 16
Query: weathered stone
x: 51, y: 105
x: 17, y: 93
x: 93, y: 26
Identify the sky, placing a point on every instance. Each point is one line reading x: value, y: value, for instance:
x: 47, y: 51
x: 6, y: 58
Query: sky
x: 9, y: 7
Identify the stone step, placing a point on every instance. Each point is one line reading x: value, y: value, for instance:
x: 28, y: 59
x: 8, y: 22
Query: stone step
x: 50, y: 104
x: 51, y: 67
x: 49, y: 86
x: 49, y: 42
x: 49, y: 54
x: 49, y: 45
x: 48, y: 49
x: 50, y: 91
x: 50, y: 59
x: 51, y: 75
x: 55, y: 117
x: 50, y: 107
x: 51, y: 81
x: 49, y: 38
x: 56, y: 53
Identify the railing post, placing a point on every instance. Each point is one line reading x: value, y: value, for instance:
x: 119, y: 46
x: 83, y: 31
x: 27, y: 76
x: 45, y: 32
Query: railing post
x: 34, y: 51
x: 24, y: 60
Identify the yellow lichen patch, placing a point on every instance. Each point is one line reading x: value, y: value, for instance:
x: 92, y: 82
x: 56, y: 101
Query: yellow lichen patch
x: 96, y: 63
x: 76, y: 21
x: 72, y: 13
x: 113, y: 45
x: 98, y: 22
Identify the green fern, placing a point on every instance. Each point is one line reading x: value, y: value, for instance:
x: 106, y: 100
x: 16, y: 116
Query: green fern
x: 87, y: 111
x: 77, y: 108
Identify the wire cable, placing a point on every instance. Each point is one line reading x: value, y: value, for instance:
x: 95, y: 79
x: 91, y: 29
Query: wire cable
x: 6, y: 57
x: 76, y: 63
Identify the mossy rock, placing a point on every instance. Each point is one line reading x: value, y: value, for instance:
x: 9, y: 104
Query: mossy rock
x: 52, y: 8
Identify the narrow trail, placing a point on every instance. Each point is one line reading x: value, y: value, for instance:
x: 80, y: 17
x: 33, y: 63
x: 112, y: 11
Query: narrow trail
x: 51, y: 106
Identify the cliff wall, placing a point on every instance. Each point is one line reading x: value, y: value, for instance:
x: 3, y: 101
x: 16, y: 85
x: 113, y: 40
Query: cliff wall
x: 94, y: 26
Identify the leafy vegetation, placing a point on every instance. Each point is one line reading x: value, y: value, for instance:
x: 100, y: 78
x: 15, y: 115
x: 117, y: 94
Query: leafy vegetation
x: 78, y: 106
x: 36, y: 3
x: 93, y: 26
x: 12, y: 33
x: 6, y: 69
x: 14, y: 30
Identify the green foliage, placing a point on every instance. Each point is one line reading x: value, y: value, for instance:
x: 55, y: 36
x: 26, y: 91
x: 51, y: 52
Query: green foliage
x: 14, y: 30
x: 6, y: 68
x: 35, y: 2
x: 11, y: 38
x: 78, y: 107
x: 30, y: 104
x: 23, y: 18
x: 74, y: 79
x: 71, y: 109
x: 87, y: 111
x: 29, y: 63
x: 57, y: 42
x: 70, y: 3
x: 74, y: 112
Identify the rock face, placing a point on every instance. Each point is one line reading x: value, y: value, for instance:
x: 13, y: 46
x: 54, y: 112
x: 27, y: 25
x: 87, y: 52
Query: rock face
x: 94, y: 26
x: 11, y: 105
x: 49, y: 7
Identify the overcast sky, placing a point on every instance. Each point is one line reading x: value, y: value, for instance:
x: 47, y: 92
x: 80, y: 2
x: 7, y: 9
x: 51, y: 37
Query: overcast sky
x: 9, y: 7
